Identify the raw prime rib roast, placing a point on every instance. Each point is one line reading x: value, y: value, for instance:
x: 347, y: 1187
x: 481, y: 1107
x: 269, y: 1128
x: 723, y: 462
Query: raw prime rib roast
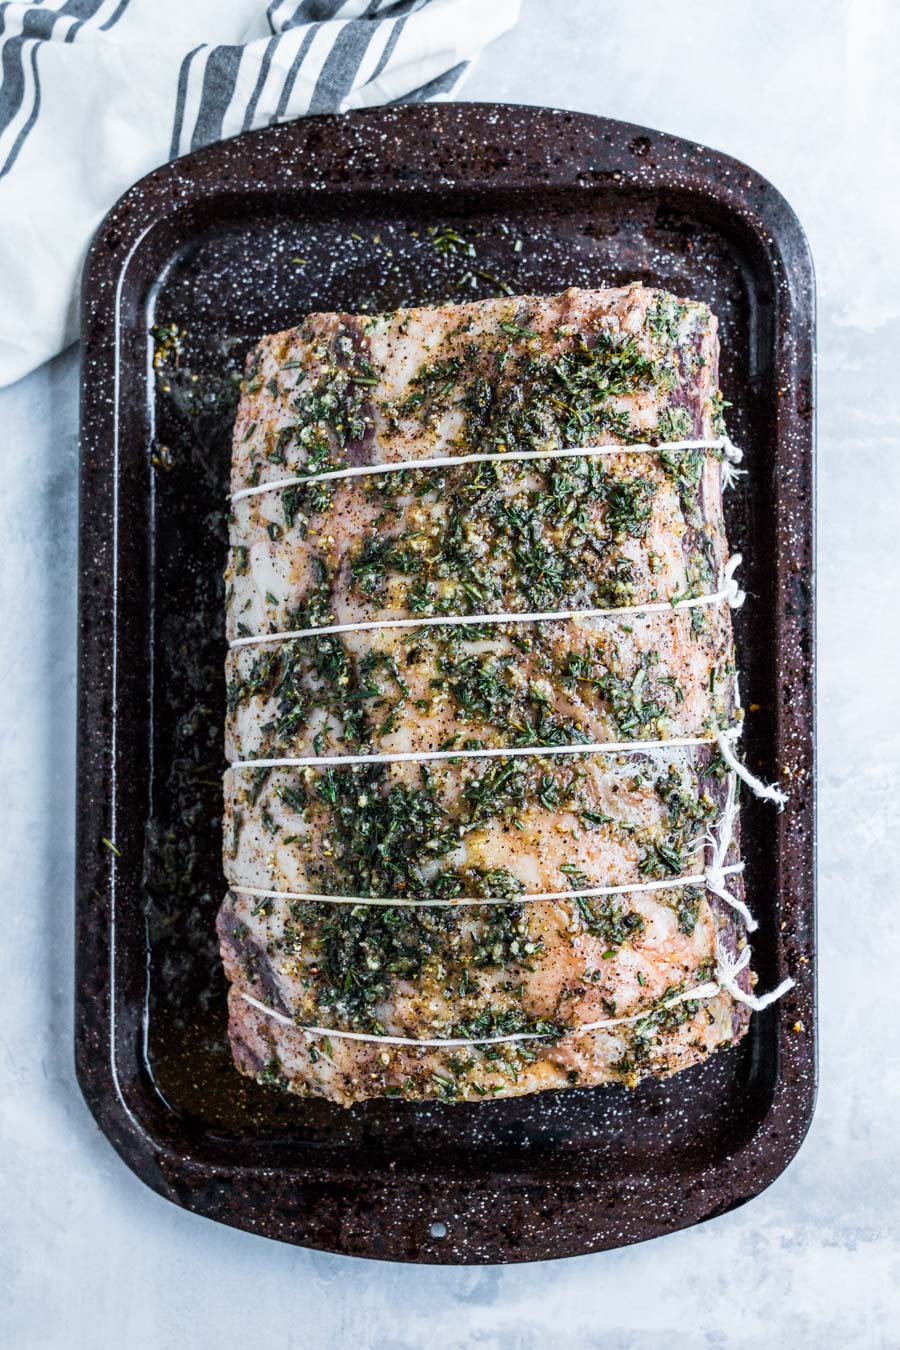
x: 515, y: 898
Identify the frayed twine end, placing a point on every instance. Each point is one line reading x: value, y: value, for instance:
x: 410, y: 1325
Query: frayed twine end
x: 727, y: 971
x: 765, y: 791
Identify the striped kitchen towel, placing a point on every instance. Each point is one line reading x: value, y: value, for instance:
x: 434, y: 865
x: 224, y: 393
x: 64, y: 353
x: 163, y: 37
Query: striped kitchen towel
x: 96, y: 93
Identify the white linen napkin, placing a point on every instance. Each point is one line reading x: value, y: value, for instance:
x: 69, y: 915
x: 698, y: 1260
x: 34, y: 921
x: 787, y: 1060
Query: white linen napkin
x: 96, y: 93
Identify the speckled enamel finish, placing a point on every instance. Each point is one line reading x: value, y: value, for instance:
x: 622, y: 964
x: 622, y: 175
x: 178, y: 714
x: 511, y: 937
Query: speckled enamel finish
x: 213, y: 241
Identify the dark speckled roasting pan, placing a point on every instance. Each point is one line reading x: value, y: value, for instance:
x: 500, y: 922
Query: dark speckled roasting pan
x: 348, y: 213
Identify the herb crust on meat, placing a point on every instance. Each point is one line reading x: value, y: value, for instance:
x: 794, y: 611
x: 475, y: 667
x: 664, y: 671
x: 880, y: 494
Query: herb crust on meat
x: 501, y: 536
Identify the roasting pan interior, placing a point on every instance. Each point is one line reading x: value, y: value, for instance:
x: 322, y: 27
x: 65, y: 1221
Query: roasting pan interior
x: 198, y: 288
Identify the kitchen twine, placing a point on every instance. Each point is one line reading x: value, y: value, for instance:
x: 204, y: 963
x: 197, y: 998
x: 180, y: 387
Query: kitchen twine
x: 727, y: 968
x: 722, y: 740
x: 732, y: 457
x: 525, y: 898
x: 728, y: 591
